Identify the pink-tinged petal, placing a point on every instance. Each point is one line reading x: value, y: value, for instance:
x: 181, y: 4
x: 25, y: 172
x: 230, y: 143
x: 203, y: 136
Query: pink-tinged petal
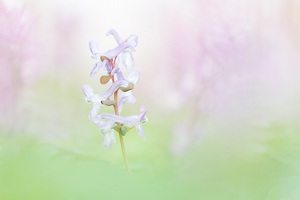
x: 117, y: 61
x: 127, y: 59
x: 96, y: 68
x: 120, y: 76
x: 113, y: 88
x: 97, y: 98
x: 129, y: 121
x: 94, y: 111
x: 97, y: 119
x: 105, y: 141
x: 97, y: 56
x: 112, y: 139
x: 115, y: 70
x: 125, y: 99
x: 94, y: 48
x: 116, y: 51
x: 133, y: 40
x: 107, y: 66
x: 104, y: 126
x: 144, y: 120
x: 108, y: 140
x: 124, y: 94
x: 88, y: 91
x: 140, y: 131
x: 116, y: 35
x: 143, y: 111
x: 133, y: 76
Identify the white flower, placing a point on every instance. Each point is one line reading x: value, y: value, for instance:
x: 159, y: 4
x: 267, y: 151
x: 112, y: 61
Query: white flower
x: 103, y: 56
x: 126, y: 56
x: 105, y: 127
x: 130, y: 121
x: 96, y: 99
x: 133, y: 77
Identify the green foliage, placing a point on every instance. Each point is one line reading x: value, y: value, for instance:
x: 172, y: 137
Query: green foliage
x: 261, y: 163
x: 32, y: 170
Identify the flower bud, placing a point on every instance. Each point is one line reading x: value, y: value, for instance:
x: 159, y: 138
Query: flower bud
x: 104, y: 58
x: 129, y: 87
x: 104, y: 79
x: 108, y: 102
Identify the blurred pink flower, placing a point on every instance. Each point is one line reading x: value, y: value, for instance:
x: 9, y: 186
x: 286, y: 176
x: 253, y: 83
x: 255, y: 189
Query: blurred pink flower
x: 185, y: 136
x: 19, y: 56
x: 228, y: 69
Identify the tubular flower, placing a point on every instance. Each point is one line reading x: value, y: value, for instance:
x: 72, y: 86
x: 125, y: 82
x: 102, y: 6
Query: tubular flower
x: 90, y: 97
x: 130, y: 121
x: 126, y: 97
x: 127, y: 59
x: 108, y: 123
x: 109, y: 138
x: 104, y: 57
x: 97, y: 99
x: 132, y: 77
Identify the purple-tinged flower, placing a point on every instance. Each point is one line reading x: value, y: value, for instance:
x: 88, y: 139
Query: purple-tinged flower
x: 96, y: 99
x: 115, y: 70
x: 126, y: 97
x: 132, y: 39
x: 127, y: 59
x: 130, y: 121
x: 99, y: 64
x: 94, y: 111
x: 133, y: 77
x: 90, y: 97
x: 110, y: 54
x: 105, y: 127
x: 108, y: 123
x: 109, y: 139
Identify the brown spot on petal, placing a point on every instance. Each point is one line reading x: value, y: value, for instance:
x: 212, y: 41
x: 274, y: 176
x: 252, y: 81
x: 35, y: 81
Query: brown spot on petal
x: 129, y: 87
x: 104, y: 79
x: 108, y: 102
x: 104, y: 58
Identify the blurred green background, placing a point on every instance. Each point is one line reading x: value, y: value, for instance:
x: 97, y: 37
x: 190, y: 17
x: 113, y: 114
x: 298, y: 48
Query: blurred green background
x: 220, y: 80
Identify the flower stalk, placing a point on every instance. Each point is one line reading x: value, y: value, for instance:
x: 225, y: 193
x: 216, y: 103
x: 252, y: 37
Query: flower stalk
x: 120, y: 135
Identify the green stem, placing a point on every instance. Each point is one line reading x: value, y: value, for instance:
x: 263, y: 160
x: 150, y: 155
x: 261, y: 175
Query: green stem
x: 124, y: 153
x: 120, y: 135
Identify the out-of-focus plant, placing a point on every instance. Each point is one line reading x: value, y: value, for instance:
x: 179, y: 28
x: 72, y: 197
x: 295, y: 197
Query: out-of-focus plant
x: 108, y: 123
x: 18, y: 61
x: 222, y: 72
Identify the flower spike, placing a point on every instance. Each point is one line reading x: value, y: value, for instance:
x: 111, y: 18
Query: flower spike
x: 108, y: 61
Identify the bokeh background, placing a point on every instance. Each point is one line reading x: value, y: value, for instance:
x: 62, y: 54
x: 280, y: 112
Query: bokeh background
x: 220, y: 80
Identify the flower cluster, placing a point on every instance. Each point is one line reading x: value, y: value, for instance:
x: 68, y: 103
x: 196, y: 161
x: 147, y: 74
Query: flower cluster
x: 109, y: 62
